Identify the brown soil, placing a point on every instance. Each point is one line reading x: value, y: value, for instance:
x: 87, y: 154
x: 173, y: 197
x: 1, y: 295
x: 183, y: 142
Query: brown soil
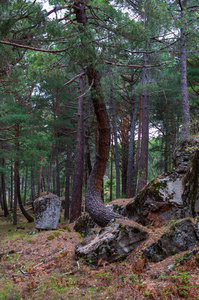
x: 42, y: 265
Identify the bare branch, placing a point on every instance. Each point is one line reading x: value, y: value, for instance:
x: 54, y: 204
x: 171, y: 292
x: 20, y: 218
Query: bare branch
x: 74, y: 78
x: 136, y: 66
x: 7, y: 128
x: 31, y: 48
x: 9, y: 139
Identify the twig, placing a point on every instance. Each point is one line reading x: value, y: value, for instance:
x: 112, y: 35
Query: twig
x: 24, y: 273
x: 73, y: 79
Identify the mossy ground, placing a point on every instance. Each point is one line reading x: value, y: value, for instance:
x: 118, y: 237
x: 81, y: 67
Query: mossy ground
x: 35, y: 266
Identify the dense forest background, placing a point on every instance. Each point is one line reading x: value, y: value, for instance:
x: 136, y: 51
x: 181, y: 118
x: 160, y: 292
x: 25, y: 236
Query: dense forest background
x: 146, y: 57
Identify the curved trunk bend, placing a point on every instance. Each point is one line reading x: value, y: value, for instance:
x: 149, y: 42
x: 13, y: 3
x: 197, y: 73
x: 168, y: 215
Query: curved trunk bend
x: 94, y: 204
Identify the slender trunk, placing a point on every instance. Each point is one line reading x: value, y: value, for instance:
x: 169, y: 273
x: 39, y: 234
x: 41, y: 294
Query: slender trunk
x: 55, y: 108
x: 131, y: 164
x: 25, y: 188
x: 111, y: 176
x: 143, y: 166
x: 17, y: 182
x: 15, y: 195
x: 33, y: 196
x: 67, y: 185
x: 88, y: 165
x: 57, y: 168
x: 124, y: 143
x: 11, y: 184
x: 183, y: 78
x: 40, y: 177
x: 15, y: 174
x: 17, y: 179
x: 3, y: 190
x: 76, y: 202
x: 117, y: 159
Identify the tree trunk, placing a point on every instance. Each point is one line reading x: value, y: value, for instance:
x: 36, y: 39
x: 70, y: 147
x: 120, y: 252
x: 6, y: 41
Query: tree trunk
x: 88, y: 165
x: 11, y: 183
x: 131, y: 163
x: 124, y: 143
x: 143, y: 166
x: 17, y: 181
x: 76, y: 201
x: 94, y: 204
x: 111, y: 175
x: 40, y: 177
x: 67, y: 185
x: 117, y: 159
x: 183, y: 77
x: 32, y: 183
x: 3, y: 189
x: 57, y: 168
x: 25, y: 188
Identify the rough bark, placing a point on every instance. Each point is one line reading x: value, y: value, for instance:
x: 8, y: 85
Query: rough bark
x: 40, y: 177
x: 55, y: 107
x: 25, y: 188
x: 117, y: 159
x: 3, y: 190
x: 131, y: 155
x: 124, y: 144
x: 76, y: 201
x: 17, y: 180
x: 183, y: 77
x: 143, y: 165
x: 94, y: 205
x: 67, y: 185
x: 17, y: 195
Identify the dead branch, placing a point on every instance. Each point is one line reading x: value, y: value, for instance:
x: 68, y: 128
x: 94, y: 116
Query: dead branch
x: 31, y: 48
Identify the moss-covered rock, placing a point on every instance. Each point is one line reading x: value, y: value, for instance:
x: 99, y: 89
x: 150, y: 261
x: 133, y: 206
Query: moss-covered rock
x: 181, y: 236
x: 172, y: 195
x: 114, y: 242
x: 85, y: 225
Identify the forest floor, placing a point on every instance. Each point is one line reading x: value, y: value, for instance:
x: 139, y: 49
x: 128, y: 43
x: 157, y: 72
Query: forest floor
x: 42, y: 265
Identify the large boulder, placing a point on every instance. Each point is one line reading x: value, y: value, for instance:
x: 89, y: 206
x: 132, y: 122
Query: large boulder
x: 114, y: 242
x: 172, y: 195
x: 47, y: 211
x: 181, y: 236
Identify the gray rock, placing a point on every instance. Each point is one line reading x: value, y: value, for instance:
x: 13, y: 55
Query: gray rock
x: 173, y: 195
x: 197, y: 227
x: 85, y: 225
x: 114, y: 242
x: 180, y: 237
x: 47, y: 211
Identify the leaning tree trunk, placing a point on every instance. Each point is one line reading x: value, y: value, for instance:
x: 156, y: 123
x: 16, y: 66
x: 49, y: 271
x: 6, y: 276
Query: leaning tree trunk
x: 94, y: 204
